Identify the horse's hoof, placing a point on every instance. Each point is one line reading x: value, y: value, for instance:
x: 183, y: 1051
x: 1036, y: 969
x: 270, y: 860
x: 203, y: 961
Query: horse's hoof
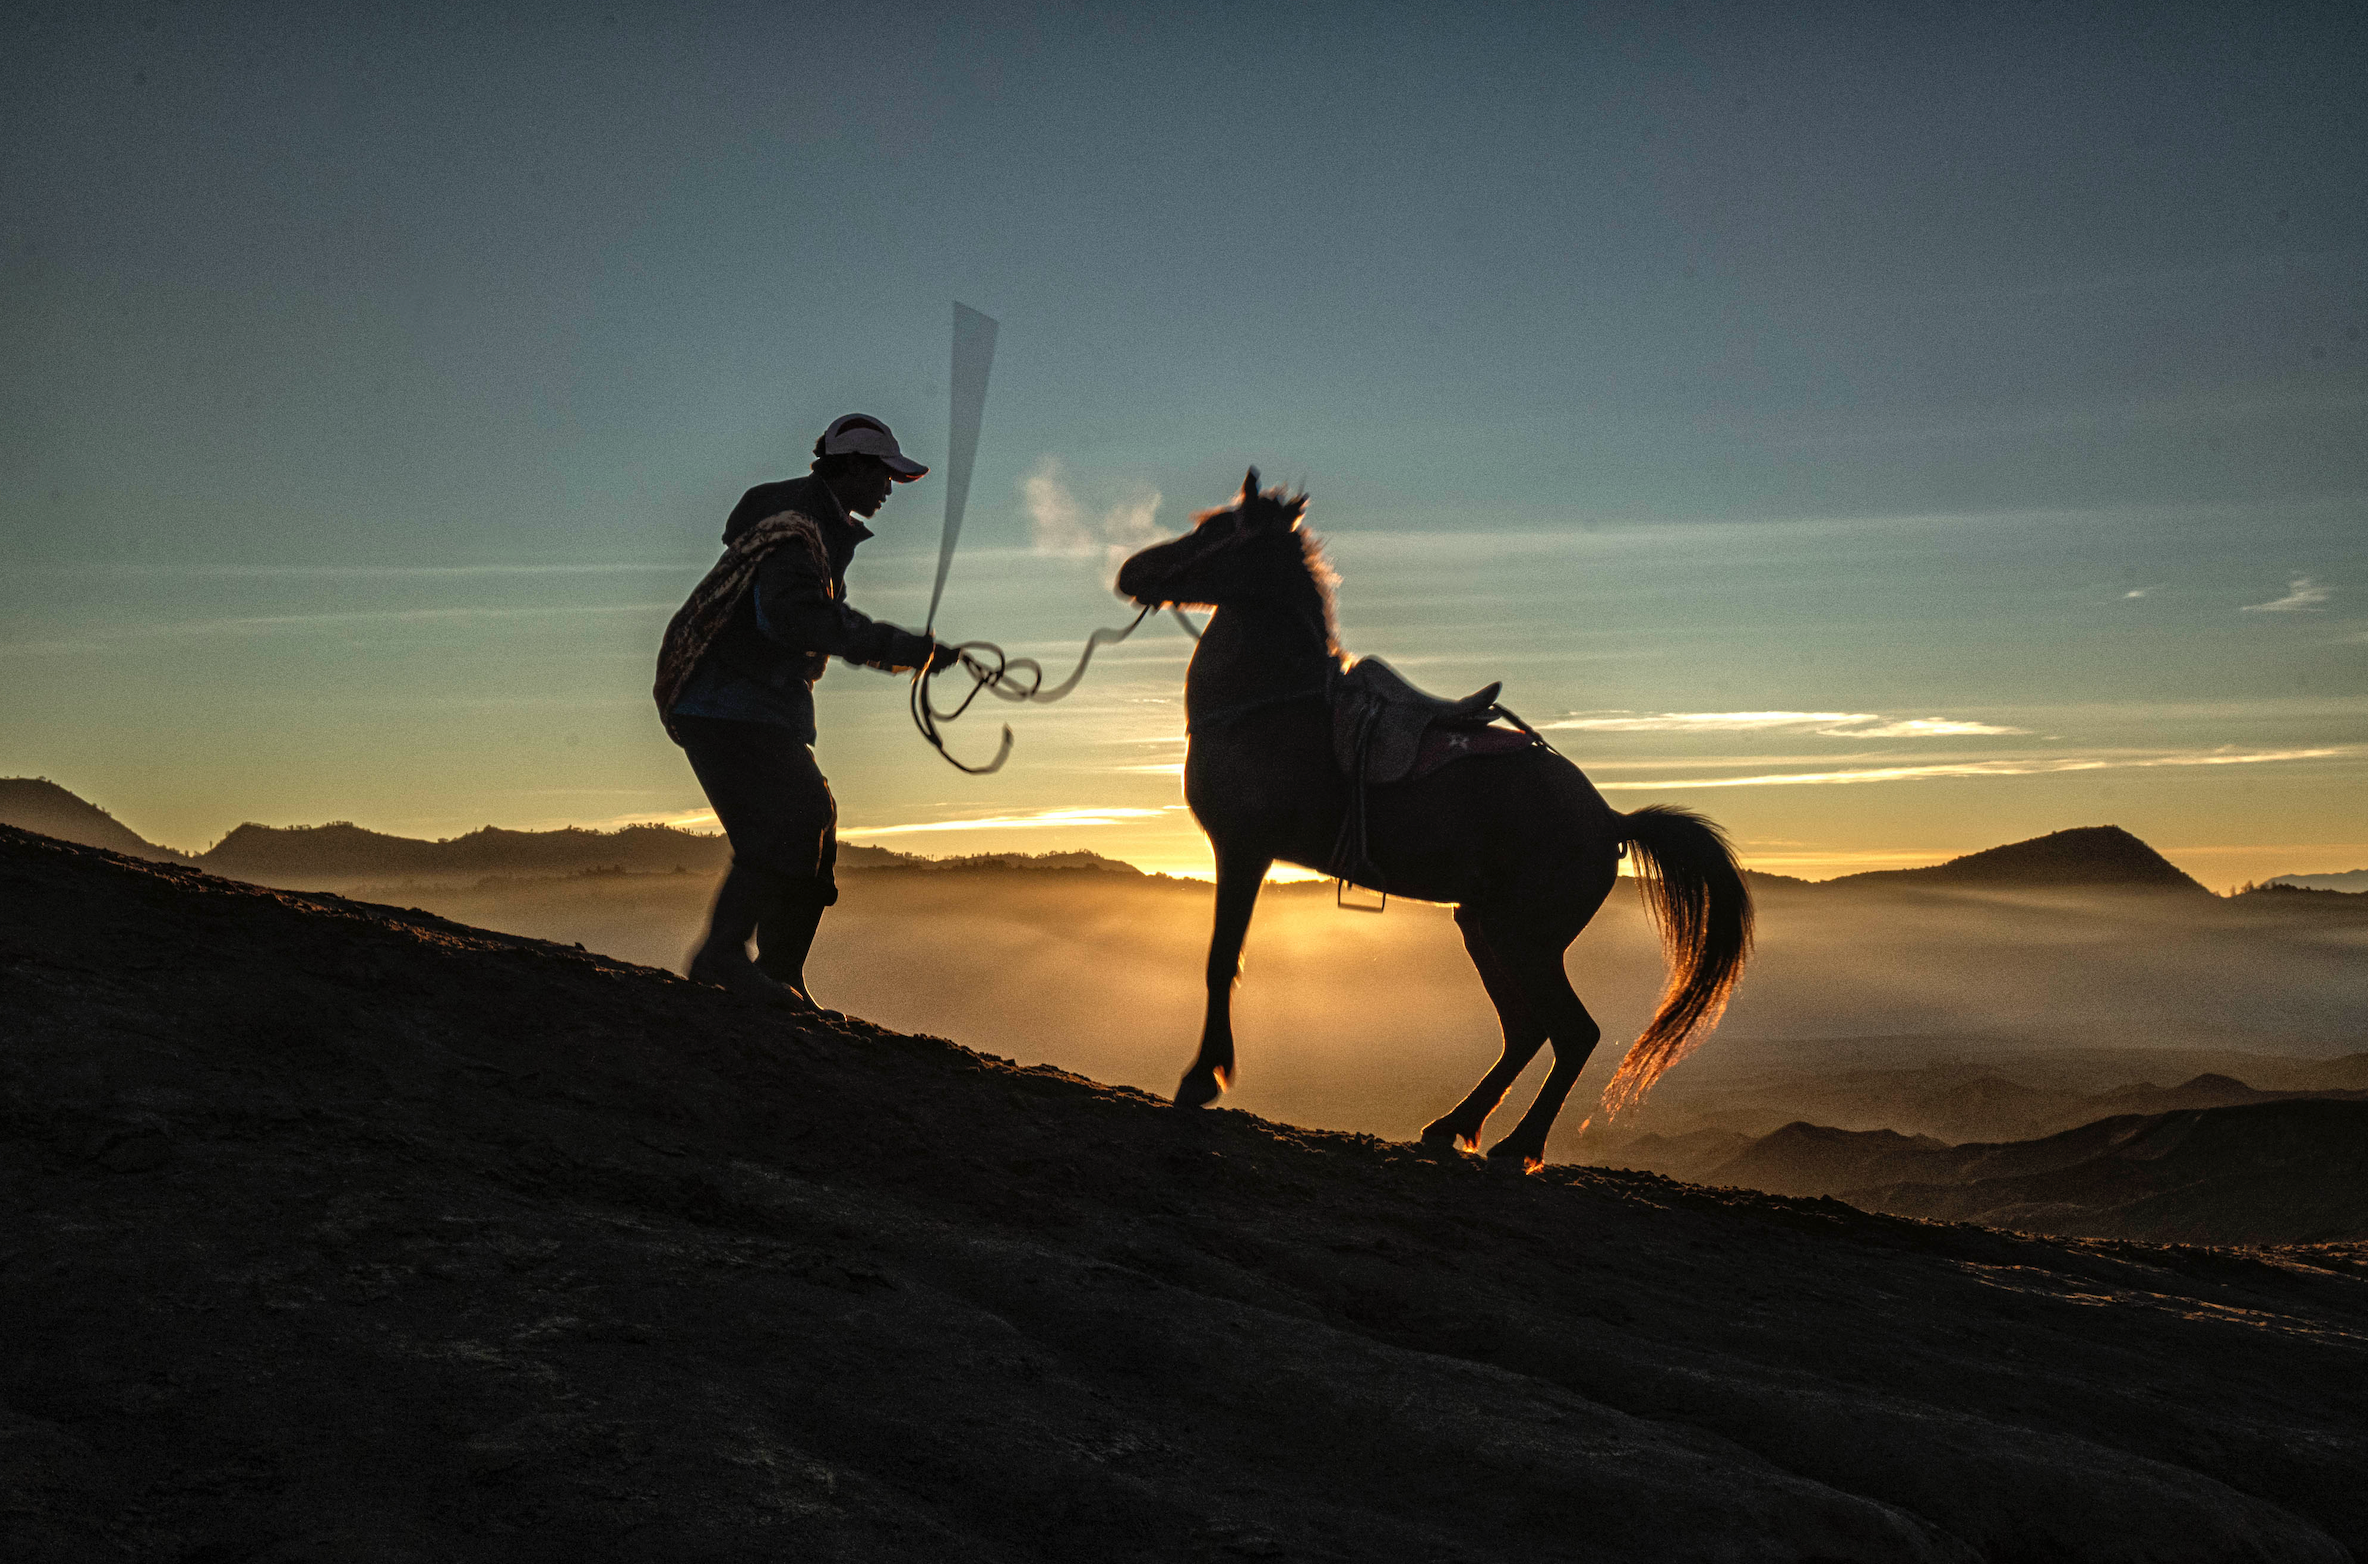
x: 1443, y: 1136
x: 1515, y: 1159
x: 1198, y: 1089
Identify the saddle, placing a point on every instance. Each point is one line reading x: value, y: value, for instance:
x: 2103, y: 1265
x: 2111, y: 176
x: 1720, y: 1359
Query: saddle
x: 1384, y: 730
x: 1379, y: 720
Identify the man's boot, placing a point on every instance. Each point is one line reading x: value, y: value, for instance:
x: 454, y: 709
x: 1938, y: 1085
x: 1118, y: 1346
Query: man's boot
x: 722, y: 959
x: 784, y: 936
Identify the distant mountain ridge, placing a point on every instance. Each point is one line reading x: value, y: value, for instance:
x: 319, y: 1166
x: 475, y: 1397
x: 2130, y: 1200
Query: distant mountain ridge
x: 2354, y: 881
x: 340, y: 852
x: 342, y: 848
x: 2101, y: 857
x: 2211, y: 1161
x: 2263, y: 1173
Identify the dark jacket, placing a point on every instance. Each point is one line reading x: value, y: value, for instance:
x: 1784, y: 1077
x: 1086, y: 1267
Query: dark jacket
x: 762, y: 666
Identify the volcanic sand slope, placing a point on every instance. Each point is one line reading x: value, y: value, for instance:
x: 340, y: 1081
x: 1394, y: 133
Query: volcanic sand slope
x: 338, y: 1233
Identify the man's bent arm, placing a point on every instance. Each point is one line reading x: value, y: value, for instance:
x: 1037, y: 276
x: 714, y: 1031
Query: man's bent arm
x: 794, y: 607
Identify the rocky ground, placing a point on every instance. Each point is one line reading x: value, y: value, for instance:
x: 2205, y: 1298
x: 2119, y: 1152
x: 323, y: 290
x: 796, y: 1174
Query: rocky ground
x: 339, y: 1233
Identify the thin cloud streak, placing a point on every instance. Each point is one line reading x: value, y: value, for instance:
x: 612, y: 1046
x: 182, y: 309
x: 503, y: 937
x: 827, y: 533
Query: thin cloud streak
x: 2303, y: 595
x: 264, y: 624
x: 1041, y: 819
x: 1996, y: 768
x: 1839, y: 724
x: 546, y: 568
x: 1920, y: 728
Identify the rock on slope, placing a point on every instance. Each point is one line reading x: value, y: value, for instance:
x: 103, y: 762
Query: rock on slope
x: 339, y: 1233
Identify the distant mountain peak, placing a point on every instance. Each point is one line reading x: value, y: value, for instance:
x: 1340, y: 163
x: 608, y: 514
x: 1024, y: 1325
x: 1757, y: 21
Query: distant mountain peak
x: 2089, y: 857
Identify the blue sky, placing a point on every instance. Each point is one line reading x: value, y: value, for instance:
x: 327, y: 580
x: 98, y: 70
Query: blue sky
x: 376, y: 385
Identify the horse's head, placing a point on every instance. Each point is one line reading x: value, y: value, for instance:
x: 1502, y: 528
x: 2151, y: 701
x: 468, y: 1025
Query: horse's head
x: 1254, y: 548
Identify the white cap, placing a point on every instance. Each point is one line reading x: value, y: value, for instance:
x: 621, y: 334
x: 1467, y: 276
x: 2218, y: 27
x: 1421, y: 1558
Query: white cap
x: 860, y: 434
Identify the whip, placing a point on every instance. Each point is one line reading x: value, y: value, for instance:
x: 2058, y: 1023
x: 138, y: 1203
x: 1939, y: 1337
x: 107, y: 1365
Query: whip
x: 1007, y: 678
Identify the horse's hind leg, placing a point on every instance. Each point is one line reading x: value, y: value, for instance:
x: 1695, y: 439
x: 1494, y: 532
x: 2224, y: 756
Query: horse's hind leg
x: 1538, y: 971
x: 1524, y: 1036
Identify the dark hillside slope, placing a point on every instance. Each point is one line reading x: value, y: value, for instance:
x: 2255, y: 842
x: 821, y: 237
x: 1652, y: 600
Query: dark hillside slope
x: 339, y: 1233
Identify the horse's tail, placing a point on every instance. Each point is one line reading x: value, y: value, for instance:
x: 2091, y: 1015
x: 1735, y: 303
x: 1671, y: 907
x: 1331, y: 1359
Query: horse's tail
x: 1695, y: 893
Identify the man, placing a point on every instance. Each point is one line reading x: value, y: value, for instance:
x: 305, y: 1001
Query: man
x: 736, y: 690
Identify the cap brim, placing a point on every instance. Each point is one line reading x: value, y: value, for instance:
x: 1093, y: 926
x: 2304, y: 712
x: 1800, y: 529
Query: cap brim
x: 903, y: 468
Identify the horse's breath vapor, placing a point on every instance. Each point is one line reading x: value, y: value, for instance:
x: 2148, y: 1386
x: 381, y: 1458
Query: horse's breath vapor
x: 1061, y: 525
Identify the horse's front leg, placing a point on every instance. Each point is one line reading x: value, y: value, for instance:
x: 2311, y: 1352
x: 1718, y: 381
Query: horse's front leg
x: 1239, y: 874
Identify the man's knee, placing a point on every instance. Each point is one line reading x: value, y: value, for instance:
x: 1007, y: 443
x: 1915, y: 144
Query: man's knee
x: 790, y: 878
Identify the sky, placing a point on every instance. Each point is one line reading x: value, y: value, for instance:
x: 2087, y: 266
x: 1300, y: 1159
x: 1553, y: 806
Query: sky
x: 1892, y: 430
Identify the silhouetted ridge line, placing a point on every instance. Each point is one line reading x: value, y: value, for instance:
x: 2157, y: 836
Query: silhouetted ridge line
x: 341, y: 851
x: 342, y: 848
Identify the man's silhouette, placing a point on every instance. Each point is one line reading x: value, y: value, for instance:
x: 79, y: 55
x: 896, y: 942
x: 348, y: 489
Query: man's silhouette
x: 736, y: 690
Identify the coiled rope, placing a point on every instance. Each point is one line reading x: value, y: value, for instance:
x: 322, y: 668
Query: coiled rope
x: 993, y: 671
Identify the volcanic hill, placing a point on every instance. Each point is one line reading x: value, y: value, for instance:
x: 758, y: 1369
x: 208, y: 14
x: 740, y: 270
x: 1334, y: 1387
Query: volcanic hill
x: 38, y: 804
x: 2088, y: 858
x: 340, y: 1232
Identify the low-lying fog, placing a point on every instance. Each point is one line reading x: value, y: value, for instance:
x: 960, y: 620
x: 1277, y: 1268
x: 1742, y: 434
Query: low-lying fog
x: 1354, y: 1021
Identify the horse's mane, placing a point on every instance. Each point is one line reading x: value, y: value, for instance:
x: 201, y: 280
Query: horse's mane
x: 1324, y: 581
x: 1319, y: 580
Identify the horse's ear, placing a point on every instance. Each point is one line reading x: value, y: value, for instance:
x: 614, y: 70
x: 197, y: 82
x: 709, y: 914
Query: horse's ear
x: 1250, y: 485
x: 1296, y: 509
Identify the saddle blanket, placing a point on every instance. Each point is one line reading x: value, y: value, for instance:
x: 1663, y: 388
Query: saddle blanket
x: 1442, y: 745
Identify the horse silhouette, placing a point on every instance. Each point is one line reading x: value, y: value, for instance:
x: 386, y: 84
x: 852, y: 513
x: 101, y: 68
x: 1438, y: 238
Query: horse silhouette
x: 1521, y: 843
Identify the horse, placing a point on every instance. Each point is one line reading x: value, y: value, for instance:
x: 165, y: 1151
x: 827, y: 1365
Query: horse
x: 1521, y: 844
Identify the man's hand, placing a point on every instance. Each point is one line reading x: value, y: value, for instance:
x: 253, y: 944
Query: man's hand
x: 943, y: 657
